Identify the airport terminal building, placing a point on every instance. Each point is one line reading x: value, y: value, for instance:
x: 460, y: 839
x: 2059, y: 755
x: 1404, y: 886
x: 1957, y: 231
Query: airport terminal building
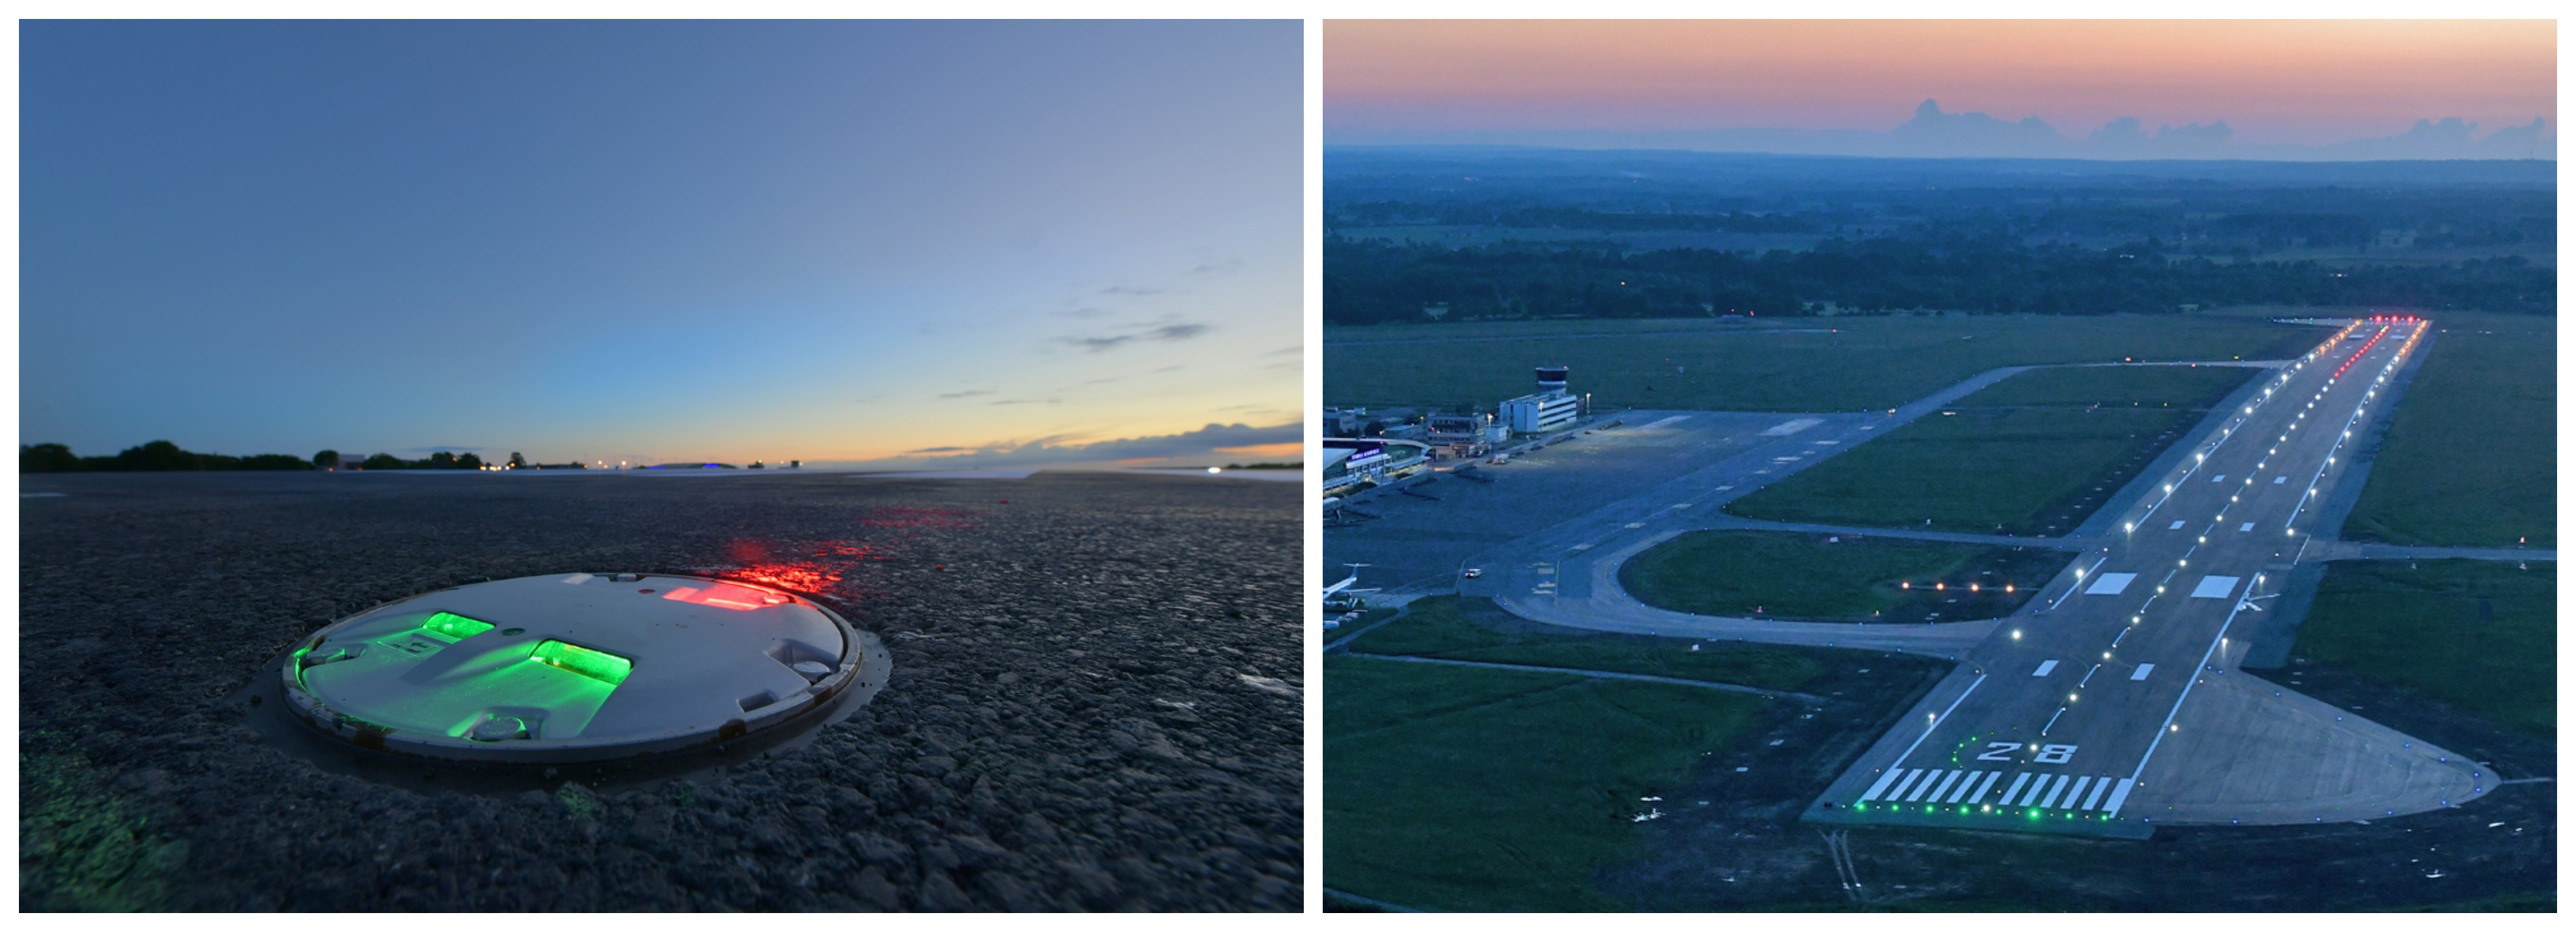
x: 1350, y: 462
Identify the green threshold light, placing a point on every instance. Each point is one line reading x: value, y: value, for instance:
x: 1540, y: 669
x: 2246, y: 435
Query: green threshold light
x: 598, y: 665
x: 455, y: 626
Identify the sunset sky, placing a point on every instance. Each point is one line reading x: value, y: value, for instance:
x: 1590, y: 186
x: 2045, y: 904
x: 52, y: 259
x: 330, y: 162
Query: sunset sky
x: 1016, y: 242
x: 2273, y: 82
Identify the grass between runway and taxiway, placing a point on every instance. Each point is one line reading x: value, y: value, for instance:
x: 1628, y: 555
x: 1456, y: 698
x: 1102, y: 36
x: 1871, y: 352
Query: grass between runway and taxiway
x: 1837, y: 578
x: 2472, y: 457
x: 1455, y: 628
x: 2477, y: 635
x: 2031, y: 455
x: 1477, y: 789
x: 1807, y: 364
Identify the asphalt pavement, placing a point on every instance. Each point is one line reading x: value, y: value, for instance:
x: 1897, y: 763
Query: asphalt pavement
x: 1094, y: 704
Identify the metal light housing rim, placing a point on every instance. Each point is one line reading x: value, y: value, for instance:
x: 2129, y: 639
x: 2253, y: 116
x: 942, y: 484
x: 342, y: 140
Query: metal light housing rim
x: 818, y: 701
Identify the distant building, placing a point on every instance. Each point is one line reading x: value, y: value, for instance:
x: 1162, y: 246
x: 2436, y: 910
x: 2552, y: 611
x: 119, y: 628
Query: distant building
x: 1351, y: 463
x: 1551, y: 408
x: 1464, y: 435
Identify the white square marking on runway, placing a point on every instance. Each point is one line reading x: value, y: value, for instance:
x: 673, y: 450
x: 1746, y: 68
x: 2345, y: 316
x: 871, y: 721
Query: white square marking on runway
x: 2110, y: 583
x: 2176, y: 526
x: 2143, y: 670
x: 2214, y: 587
x: 2277, y: 480
x: 2247, y: 526
x: 2222, y: 477
x: 2044, y: 667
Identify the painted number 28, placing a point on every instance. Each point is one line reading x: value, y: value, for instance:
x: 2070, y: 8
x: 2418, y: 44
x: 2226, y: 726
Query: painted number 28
x: 2047, y: 754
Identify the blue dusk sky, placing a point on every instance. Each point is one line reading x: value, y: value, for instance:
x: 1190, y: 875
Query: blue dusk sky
x: 952, y: 243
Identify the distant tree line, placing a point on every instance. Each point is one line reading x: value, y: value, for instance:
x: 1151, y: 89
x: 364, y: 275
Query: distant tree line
x: 1378, y: 281
x: 157, y: 456
x: 439, y: 460
x: 1405, y: 213
x: 164, y: 456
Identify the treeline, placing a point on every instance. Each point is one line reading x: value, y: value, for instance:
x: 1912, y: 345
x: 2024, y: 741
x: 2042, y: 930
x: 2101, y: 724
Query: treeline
x: 1403, y: 213
x: 164, y: 456
x: 157, y: 456
x: 1376, y: 281
x: 439, y: 460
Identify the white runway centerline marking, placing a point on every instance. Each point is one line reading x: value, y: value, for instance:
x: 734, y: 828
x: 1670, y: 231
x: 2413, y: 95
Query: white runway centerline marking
x: 2176, y: 526
x: 2143, y: 670
x: 2110, y: 584
x: 2214, y: 587
x: 2044, y: 667
x: 2277, y: 480
x: 2247, y: 526
x: 2221, y: 477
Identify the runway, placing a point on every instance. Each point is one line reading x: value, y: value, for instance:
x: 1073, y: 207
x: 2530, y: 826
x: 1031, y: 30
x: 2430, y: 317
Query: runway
x: 2116, y: 701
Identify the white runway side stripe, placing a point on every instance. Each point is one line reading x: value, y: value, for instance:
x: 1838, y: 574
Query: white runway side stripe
x: 2098, y: 787
x: 2119, y: 795
x: 1923, y: 787
x: 2018, y: 780
x: 1881, y: 786
x: 2077, y: 791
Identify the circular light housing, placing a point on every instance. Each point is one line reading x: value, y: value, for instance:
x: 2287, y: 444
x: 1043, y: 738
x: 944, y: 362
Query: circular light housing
x: 580, y: 668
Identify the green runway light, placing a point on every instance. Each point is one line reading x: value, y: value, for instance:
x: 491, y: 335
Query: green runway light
x: 455, y: 626
x: 598, y: 665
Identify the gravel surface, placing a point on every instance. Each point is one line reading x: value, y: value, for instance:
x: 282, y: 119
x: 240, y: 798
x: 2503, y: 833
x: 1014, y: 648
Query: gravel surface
x: 1094, y: 704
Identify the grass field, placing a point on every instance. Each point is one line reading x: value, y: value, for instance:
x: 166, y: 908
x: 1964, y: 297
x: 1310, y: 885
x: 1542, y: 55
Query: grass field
x: 1808, y: 364
x: 2471, y: 459
x: 1810, y: 576
x: 2033, y: 454
x: 2477, y: 635
x: 1454, y: 628
x: 1494, y: 790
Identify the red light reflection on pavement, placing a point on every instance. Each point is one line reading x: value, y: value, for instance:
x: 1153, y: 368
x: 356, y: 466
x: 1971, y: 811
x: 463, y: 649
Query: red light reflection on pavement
x: 794, y: 577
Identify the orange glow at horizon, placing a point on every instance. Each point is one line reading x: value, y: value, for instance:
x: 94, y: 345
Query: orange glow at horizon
x: 2291, y: 81
x: 1290, y: 449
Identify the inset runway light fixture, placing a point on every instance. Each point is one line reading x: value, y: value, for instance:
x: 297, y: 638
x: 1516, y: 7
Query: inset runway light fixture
x: 580, y: 668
